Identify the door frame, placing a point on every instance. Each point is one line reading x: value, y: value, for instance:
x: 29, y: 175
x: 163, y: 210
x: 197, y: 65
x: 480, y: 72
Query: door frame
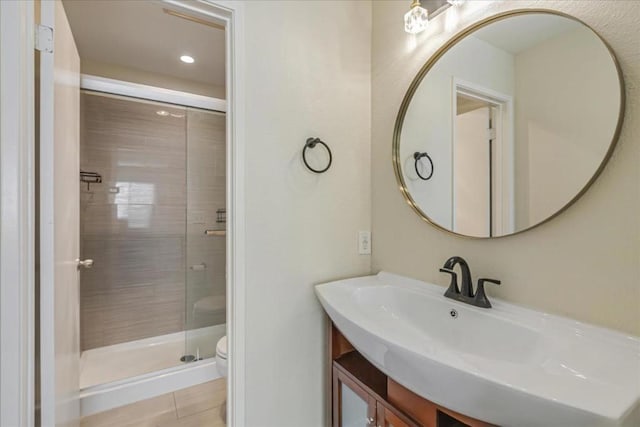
x: 17, y: 213
x: 231, y: 15
x: 18, y: 208
x: 505, y: 160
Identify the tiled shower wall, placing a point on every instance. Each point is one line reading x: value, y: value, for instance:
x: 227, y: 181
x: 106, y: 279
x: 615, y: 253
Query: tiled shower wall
x: 134, y: 224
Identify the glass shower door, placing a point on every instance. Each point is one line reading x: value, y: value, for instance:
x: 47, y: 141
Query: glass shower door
x: 133, y: 211
x: 206, y: 233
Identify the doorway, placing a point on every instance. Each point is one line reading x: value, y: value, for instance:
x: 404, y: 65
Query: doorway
x: 71, y: 178
x: 474, y: 161
x: 482, y: 149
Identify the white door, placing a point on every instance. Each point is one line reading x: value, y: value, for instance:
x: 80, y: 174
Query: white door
x: 59, y: 220
x: 472, y: 173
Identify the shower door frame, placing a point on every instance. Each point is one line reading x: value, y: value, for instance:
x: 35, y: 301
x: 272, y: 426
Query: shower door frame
x: 151, y: 93
x: 109, y: 395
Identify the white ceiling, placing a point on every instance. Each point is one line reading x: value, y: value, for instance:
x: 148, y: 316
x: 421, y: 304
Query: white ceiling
x: 520, y: 33
x: 138, y: 34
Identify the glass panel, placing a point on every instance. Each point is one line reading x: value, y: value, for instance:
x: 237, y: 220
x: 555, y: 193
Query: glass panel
x: 132, y: 222
x: 206, y: 233
x: 354, y: 408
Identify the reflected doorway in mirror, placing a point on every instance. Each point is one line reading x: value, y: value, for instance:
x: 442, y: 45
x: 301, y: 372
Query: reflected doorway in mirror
x: 482, y: 144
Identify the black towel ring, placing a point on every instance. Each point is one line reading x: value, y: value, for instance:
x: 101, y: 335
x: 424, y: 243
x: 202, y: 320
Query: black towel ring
x: 311, y: 143
x: 417, y: 156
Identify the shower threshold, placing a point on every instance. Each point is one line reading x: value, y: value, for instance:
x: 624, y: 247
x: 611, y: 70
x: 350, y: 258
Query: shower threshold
x: 125, y: 373
x: 118, y: 362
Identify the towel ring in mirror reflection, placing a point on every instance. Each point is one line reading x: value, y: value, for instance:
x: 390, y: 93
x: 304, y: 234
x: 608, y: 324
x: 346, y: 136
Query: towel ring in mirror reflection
x: 417, y: 156
x: 311, y: 143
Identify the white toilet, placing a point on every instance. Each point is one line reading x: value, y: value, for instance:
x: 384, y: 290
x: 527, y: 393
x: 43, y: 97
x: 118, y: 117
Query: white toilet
x: 221, y: 356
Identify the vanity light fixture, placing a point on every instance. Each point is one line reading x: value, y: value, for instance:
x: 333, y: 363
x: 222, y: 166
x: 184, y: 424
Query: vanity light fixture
x: 416, y: 20
x: 187, y: 59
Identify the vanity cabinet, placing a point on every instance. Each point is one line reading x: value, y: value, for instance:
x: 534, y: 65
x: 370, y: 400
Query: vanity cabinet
x: 390, y: 417
x: 362, y: 396
x: 359, y: 396
x: 355, y: 405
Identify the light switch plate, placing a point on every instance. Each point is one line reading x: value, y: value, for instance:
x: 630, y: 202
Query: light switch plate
x: 364, y: 242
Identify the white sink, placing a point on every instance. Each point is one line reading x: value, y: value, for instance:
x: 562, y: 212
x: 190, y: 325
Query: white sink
x: 506, y: 365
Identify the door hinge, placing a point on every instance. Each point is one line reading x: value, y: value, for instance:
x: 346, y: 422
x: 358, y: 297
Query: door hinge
x: 44, y: 38
x: 491, y: 133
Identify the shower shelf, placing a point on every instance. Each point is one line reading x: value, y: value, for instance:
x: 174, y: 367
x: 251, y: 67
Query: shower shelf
x: 221, y: 216
x: 90, y: 178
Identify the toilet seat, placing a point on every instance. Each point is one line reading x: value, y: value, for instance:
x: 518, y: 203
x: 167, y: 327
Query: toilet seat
x: 210, y: 304
x: 221, y: 356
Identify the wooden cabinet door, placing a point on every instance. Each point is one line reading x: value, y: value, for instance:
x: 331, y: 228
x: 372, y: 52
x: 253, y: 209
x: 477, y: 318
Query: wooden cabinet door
x: 352, y: 405
x: 387, y: 416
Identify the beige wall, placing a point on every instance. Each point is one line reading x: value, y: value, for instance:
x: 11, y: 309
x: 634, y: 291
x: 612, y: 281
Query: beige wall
x: 301, y: 228
x: 584, y: 264
x: 564, y: 126
x: 133, y: 75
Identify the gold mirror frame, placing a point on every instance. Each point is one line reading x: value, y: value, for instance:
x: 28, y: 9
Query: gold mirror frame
x: 397, y: 131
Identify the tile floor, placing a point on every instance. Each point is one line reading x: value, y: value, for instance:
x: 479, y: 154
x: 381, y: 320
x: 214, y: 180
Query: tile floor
x: 198, y: 406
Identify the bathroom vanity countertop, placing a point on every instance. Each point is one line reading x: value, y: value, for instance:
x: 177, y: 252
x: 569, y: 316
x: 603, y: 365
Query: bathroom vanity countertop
x: 507, y: 365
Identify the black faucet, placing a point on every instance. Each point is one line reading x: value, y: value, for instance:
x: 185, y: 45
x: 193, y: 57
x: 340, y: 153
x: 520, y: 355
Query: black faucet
x: 465, y: 293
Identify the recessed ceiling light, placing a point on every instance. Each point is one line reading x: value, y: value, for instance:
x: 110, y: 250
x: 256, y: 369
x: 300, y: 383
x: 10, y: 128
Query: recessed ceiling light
x: 187, y: 59
x: 162, y: 113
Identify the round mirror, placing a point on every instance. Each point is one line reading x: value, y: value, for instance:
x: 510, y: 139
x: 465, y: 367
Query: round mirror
x: 508, y: 124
